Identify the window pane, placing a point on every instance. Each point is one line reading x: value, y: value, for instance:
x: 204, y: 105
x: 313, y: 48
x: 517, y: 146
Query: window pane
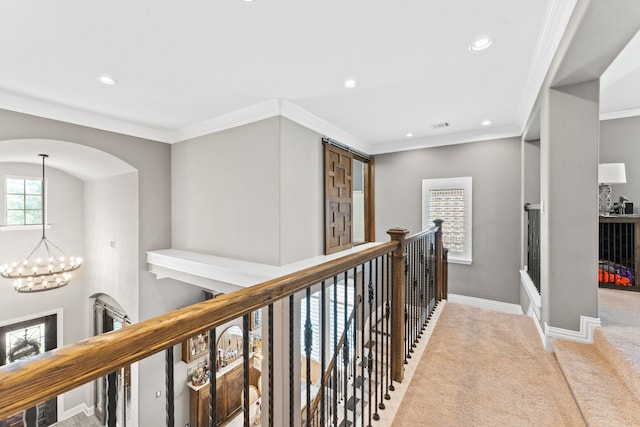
x: 32, y: 186
x: 15, y: 201
x: 15, y: 186
x: 33, y: 217
x: 15, y: 217
x: 33, y: 202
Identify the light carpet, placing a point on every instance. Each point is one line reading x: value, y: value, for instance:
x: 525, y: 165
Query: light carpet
x: 486, y: 368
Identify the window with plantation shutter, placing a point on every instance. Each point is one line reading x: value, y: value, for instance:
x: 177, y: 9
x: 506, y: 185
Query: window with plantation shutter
x: 449, y: 199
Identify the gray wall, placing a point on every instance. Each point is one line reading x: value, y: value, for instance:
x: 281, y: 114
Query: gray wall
x: 226, y: 197
x: 569, y: 191
x: 253, y: 192
x: 619, y: 143
x: 153, y: 163
x: 495, y: 168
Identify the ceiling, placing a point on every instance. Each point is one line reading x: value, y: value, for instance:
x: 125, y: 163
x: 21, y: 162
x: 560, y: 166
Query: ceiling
x: 188, y: 69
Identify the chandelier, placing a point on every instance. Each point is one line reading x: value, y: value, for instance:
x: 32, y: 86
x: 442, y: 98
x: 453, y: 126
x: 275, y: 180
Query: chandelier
x: 47, y: 267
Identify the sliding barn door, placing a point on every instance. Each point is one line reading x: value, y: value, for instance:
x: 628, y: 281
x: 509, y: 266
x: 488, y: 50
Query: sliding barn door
x: 338, y: 199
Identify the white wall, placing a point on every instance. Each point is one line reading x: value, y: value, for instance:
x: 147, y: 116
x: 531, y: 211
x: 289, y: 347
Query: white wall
x: 111, y: 239
x: 65, y: 213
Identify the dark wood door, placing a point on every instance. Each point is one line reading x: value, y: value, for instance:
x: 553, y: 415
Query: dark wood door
x: 338, y: 199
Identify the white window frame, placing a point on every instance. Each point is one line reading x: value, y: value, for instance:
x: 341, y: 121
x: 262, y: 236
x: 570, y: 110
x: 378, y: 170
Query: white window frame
x: 13, y: 227
x: 466, y: 183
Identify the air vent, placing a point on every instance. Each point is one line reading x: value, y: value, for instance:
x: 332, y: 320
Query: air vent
x: 441, y: 125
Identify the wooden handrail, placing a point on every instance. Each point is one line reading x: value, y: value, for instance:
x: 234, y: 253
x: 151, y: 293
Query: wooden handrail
x: 27, y: 383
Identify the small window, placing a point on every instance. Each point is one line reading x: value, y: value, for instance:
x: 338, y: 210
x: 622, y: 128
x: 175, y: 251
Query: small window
x: 449, y: 199
x: 23, y: 201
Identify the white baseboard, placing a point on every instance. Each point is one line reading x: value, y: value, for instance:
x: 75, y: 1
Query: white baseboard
x: 584, y: 335
x: 504, y: 307
x: 82, y: 408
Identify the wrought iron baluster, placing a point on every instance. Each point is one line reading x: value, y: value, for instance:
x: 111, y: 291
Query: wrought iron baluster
x: 271, y: 364
x: 308, y: 344
x: 169, y: 391
x: 323, y: 351
x: 291, y: 360
x: 213, y: 368
x: 245, y: 367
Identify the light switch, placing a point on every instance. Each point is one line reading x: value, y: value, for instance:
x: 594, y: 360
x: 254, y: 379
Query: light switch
x: 112, y: 244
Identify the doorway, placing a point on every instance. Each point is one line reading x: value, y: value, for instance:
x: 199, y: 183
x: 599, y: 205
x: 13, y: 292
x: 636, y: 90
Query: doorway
x: 112, y: 393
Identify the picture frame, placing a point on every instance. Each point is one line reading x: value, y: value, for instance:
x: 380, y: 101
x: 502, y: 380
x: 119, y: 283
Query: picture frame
x: 195, y: 347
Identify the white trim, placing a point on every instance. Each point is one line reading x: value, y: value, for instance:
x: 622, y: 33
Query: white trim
x: 253, y: 113
x: 503, y: 307
x: 301, y: 116
x: 557, y: 18
x: 534, y: 296
x: 23, y: 227
x: 622, y: 114
x: 584, y: 335
x: 534, y: 309
x: 79, y: 409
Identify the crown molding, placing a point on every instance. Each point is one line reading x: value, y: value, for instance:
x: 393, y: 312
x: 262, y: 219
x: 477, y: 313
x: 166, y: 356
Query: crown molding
x: 244, y: 116
x: 301, y: 116
x: 53, y: 111
x: 449, y: 139
x: 557, y: 17
x: 622, y: 114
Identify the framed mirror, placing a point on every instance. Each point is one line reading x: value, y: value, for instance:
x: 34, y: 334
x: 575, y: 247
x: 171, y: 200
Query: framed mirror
x: 229, y: 346
x: 195, y: 347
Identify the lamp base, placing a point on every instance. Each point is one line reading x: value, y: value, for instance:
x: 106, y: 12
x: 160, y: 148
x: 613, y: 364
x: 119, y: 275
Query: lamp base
x: 604, y: 199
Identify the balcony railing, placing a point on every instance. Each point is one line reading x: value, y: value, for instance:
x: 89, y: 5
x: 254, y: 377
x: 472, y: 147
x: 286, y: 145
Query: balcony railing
x: 392, y: 289
x: 533, y: 243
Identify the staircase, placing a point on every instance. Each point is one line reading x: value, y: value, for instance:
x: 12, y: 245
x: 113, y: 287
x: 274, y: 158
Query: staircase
x: 604, y: 377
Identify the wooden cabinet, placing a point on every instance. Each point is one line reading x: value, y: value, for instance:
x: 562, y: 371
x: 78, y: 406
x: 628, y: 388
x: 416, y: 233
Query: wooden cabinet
x: 229, y: 388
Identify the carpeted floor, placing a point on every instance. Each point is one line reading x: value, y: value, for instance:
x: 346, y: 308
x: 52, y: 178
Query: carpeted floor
x: 485, y: 368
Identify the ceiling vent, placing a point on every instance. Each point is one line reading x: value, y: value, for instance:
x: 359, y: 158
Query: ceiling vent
x: 441, y: 125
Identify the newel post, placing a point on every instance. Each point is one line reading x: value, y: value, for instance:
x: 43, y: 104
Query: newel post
x: 439, y: 262
x: 445, y: 273
x: 397, y: 304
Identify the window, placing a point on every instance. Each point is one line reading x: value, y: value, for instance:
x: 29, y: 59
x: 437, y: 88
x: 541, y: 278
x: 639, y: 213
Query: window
x: 348, y: 197
x: 449, y: 199
x: 23, y: 201
x: 336, y: 309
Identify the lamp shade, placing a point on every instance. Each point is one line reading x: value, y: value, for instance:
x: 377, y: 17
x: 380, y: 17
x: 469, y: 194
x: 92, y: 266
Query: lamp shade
x: 612, y: 173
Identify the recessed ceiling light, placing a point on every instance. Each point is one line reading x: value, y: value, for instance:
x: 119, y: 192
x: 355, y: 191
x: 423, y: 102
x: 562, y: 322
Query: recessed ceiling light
x: 409, y: 135
x: 350, y: 84
x: 104, y: 79
x: 249, y: 1
x: 486, y: 122
x: 481, y: 44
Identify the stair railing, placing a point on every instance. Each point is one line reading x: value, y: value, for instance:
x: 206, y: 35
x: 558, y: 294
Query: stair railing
x: 372, y: 359
x: 533, y: 243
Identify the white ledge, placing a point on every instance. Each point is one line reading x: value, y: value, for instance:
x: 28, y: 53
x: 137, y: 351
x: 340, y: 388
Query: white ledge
x: 23, y: 227
x: 225, y: 275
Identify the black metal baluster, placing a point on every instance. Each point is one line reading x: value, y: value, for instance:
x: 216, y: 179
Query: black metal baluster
x: 406, y: 304
x: 363, y: 362
x: 389, y: 387
x: 323, y: 352
x: 375, y: 281
x: 345, y: 349
x: 169, y: 392
x: 370, y: 356
x: 270, y: 387
x: 335, y: 350
x: 356, y: 337
x: 308, y: 343
x: 381, y: 336
x: 245, y: 367
x: 213, y: 369
x: 291, y: 361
